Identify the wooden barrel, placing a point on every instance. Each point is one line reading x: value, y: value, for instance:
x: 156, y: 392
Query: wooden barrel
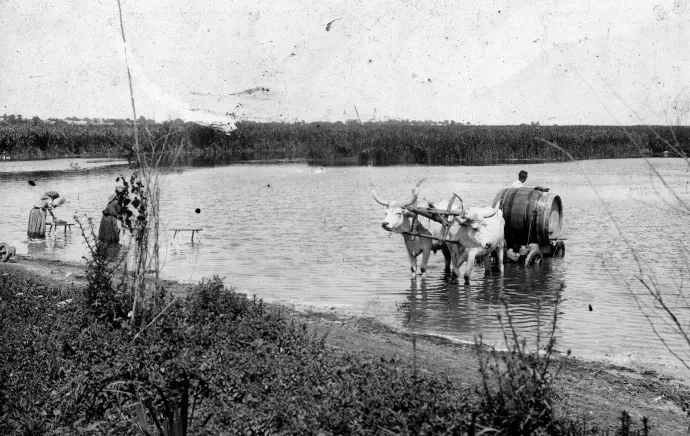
x: 531, y: 216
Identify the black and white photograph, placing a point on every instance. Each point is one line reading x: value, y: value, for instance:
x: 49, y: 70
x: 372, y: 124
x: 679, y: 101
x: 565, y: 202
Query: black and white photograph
x: 344, y: 218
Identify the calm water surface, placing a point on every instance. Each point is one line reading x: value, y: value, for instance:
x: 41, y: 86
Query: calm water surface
x: 287, y: 233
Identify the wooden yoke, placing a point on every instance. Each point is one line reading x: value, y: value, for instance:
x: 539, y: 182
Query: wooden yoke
x: 446, y: 224
x: 432, y: 213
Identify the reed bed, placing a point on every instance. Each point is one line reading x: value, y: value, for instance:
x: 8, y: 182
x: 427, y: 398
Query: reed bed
x: 401, y: 142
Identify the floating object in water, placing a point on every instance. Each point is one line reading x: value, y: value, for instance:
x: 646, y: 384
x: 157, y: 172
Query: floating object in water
x: 590, y: 308
x: 318, y: 170
x: 32, y: 183
x: 197, y: 210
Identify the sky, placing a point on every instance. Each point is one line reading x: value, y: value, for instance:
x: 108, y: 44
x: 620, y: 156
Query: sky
x: 219, y: 61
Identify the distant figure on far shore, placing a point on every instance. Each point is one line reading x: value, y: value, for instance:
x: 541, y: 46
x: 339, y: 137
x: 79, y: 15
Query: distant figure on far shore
x: 37, y: 217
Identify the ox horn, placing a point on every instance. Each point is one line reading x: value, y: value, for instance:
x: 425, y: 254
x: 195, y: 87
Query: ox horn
x: 415, y: 194
x: 498, y: 206
x: 377, y: 198
x: 462, y: 204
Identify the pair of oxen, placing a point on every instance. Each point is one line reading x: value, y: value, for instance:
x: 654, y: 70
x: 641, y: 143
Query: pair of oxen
x: 463, y: 235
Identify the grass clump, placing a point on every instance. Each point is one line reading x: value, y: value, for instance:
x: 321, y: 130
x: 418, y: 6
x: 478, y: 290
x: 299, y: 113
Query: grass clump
x: 517, y: 393
x: 102, y: 297
x: 517, y: 385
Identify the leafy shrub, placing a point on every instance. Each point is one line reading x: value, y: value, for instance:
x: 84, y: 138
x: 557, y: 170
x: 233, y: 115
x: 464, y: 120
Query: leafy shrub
x: 101, y: 297
x: 218, y: 362
x: 517, y: 386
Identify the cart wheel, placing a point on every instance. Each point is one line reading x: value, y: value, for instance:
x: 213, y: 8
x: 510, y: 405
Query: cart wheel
x: 559, y: 249
x: 534, y: 258
x: 512, y: 256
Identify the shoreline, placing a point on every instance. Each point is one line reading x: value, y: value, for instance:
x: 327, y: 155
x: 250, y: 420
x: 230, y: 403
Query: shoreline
x: 596, y: 390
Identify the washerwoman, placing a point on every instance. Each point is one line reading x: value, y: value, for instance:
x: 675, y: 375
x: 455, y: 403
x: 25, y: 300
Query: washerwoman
x: 37, y: 217
x: 109, y: 231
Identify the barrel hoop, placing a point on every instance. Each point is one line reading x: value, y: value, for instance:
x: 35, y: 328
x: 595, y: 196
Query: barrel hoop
x: 559, y: 206
x: 529, y: 216
x: 507, y: 213
x: 543, y: 223
x: 501, y: 198
x: 530, y: 209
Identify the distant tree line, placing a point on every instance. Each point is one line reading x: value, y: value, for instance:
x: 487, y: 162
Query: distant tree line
x: 376, y: 142
x: 18, y: 119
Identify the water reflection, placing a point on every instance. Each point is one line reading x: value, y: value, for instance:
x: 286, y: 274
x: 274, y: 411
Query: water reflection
x: 53, y: 241
x: 443, y: 306
x: 439, y: 305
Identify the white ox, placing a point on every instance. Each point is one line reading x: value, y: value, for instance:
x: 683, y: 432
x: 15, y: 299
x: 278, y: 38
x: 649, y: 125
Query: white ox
x: 475, y: 234
x: 400, y: 220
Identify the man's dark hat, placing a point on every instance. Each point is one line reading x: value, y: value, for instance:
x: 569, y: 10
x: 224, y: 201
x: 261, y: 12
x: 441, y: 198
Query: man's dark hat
x: 523, y: 173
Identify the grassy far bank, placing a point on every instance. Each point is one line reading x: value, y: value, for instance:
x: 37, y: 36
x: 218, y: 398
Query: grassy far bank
x: 401, y: 141
x: 238, y: 366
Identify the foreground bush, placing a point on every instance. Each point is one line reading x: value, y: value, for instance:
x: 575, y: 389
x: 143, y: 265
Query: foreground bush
x: 227, y: 362
x: 215, y: 362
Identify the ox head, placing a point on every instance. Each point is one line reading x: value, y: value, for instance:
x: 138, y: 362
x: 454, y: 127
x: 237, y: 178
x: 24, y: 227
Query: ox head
x: 396, y: 211
x: 475, y: 228
x: 474, y: 217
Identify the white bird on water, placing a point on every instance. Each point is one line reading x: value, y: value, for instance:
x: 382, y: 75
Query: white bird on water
x: 318, y: 170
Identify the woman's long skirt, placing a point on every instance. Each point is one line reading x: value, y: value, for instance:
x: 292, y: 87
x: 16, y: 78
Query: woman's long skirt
x: 109, y: 237
x: 108, y: 231
x: 37, y: 223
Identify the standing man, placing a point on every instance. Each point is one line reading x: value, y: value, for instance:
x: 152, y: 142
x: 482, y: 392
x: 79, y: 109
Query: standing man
x: 520, y: 182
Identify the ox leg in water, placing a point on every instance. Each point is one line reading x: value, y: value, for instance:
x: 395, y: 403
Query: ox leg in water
x: 413, y: 263
x: 425, y: 261
x: 470, y: 263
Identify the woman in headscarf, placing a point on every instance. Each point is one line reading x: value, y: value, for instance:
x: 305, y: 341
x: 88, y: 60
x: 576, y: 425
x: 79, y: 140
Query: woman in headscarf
x: 108, y: 231
x: 37, y: 216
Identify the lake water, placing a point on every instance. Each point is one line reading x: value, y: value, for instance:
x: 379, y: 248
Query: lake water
x: 289, y: 234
